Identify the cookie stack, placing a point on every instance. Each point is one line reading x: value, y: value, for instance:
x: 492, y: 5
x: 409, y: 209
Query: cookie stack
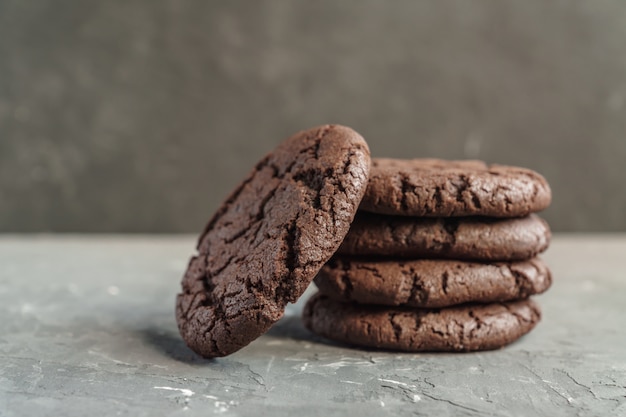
x: 410, y: 255
x: 442, y: 256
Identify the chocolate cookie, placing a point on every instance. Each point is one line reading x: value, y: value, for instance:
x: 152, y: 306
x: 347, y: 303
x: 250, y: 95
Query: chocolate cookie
x: 464, y: 328
x: 430, y: 283
x: 437, y: 188
x: 270, y: 237
x: 464, y: 238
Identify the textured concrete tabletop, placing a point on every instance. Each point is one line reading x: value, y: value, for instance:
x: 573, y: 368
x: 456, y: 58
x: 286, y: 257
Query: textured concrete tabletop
x: 88, y: 329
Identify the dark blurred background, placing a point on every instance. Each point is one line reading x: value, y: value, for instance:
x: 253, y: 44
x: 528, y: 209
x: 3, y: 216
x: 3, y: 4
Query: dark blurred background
x: 140, y: 116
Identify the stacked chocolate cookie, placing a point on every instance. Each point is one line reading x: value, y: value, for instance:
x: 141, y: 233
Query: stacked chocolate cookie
x: 442, y: 255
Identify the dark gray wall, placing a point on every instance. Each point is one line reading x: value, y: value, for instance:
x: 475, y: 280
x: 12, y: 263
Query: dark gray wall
x: 133, y: 116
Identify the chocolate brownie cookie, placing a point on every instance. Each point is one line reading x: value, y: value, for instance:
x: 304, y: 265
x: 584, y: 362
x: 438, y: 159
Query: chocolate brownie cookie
x: 464, y: 328
x: 431, y: 283
x: 270, y: 237
x: 461, y: 238
x: 437, y: 188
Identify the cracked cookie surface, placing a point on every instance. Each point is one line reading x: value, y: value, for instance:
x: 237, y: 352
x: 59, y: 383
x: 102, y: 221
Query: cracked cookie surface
x: 461, y: 238
x: 439, y: 188
x: 469, y: 327
x: 430, y: 283
x: 268, y: 240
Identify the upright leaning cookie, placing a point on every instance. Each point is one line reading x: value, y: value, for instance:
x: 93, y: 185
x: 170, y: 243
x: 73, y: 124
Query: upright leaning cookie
x: 455, y: 329
x: 462, y: 238
x: 430, y: 283
x: 270, y: 238
x: 438, y: 188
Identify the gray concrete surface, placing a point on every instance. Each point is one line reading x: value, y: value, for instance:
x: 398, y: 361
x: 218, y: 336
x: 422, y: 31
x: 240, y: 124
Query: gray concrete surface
x: 88, y: 329
x: 139, y: 116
